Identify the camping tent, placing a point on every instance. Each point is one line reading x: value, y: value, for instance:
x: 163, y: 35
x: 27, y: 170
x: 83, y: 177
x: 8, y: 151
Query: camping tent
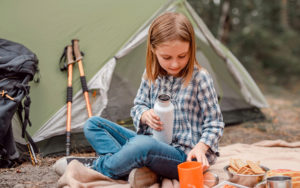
x: 112, y: 35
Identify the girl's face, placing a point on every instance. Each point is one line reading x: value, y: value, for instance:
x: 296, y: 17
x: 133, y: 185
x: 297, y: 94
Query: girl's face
x: 173, y: 56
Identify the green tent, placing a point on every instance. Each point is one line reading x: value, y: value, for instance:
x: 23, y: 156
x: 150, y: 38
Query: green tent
x: 112, y: 34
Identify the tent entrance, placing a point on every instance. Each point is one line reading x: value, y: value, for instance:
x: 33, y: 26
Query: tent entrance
x: 242, y: 115
x: 55, y: 146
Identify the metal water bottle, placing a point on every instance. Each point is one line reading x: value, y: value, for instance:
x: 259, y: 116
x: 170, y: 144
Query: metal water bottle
x: 165, y: 110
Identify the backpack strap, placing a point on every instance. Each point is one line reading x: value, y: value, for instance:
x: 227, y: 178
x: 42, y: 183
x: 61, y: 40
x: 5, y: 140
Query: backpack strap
x: 24, y: 86
x: 27, y: 103
x: 24, y: 132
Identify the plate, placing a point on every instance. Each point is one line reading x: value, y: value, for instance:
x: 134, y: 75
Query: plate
x: 220, y: 185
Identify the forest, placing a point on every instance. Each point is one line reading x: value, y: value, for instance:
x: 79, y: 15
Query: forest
x: 264, y: 35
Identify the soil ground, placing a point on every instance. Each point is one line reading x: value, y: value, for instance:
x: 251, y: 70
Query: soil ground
x: 282, y: 122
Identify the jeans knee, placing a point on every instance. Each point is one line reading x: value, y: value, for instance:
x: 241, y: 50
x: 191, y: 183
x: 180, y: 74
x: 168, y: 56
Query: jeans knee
x: 144, y: 144
x: 91, y: 124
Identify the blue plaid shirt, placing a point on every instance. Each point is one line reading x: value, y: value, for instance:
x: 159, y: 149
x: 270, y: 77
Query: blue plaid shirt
x: 197, y: 115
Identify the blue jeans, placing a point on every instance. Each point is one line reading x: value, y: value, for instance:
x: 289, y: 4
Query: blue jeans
x: 121, y: 150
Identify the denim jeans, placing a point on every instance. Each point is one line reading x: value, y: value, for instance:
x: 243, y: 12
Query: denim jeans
x: 121, y: 150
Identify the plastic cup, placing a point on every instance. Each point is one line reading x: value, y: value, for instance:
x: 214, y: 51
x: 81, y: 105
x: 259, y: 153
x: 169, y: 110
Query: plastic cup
x: 190, y: 174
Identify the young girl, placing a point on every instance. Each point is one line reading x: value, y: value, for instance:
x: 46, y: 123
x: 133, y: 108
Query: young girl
x: 171, y: 68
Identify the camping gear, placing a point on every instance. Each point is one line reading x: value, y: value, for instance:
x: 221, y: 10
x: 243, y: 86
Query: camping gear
x: 210, y: 179
x: 190, y: 174
x: 69, y: 98
x: 245, y: 179
x: 165, y: 111
x: 113, y: 35
x: 68, y: 56
x: 18, y: 66
x: 279, y: 182
x: 68, y: 52
x: 82, y: 76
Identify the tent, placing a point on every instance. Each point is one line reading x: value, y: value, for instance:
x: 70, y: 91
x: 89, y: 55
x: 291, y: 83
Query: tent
x: 112, y: 34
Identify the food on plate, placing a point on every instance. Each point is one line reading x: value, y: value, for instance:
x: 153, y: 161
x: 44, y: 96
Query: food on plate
x: 229, y: 186
x: 295, y: 175
x: 283, y: 172
x: 238, y: 166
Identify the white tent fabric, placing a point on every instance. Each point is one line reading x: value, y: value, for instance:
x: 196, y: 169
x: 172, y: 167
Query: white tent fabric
x: 99, y: 83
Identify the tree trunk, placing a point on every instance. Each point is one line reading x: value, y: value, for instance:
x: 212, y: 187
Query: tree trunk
x: 224, y: 22
x: 284, y: 16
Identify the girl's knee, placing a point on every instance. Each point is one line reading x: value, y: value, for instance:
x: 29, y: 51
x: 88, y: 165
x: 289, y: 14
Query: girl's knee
x: 91, y: 124
x: 145, y: 143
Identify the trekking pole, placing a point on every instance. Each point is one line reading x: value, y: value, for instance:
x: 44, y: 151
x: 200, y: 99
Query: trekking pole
x: 32, y: 148
x: 31, y: 153
x: 82, y: 76
x: 70, y: 60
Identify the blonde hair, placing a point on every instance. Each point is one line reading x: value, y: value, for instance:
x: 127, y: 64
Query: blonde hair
x: 167, y: 27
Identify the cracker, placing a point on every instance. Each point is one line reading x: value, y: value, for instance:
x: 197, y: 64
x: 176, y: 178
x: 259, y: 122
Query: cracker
x: 233, y: 165
x: 292, y: 173
x: 297, y: 178
x: 230, y: 169
x: 242, y: 170
x: 296, y: 184
x: 249, y: 171
x: 239, y: 163
x: 255, y: 168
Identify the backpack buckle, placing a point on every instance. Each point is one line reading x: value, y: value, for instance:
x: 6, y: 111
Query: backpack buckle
x: 4, y: 94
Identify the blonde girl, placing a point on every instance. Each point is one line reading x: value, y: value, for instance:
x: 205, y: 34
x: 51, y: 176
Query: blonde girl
x: 172, y: 69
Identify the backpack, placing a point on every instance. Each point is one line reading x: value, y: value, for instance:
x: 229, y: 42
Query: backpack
x: 18, y: 65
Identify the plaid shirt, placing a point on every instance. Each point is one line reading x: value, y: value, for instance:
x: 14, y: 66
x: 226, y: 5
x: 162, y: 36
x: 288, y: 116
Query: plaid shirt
x: 197, y: 115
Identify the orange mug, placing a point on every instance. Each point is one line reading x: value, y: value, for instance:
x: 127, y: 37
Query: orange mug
x: 190, y: 174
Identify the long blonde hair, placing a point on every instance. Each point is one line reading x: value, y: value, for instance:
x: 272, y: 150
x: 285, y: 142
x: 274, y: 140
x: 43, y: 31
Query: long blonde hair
x: 167, y: 27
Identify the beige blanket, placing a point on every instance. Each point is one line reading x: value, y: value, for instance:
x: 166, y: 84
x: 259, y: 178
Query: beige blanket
x: 276, y: 154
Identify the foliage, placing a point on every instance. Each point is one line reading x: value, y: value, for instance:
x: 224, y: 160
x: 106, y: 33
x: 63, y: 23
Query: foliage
x: 264, y: 35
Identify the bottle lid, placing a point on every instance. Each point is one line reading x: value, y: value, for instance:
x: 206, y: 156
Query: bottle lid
x: 164, y: 97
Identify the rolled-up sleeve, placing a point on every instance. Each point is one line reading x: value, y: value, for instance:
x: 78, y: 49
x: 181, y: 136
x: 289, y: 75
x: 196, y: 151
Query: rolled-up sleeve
x: 213, y: 125
x: 141, y: 104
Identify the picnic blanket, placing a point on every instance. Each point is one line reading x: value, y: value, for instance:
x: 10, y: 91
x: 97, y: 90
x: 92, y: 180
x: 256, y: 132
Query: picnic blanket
x: 274, y: 154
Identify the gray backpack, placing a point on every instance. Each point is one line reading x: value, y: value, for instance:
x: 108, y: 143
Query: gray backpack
x: 18, y: 65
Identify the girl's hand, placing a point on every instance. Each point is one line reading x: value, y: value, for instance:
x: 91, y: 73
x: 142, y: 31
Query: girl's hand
x: 152, y: 120
x: 198, y: 152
